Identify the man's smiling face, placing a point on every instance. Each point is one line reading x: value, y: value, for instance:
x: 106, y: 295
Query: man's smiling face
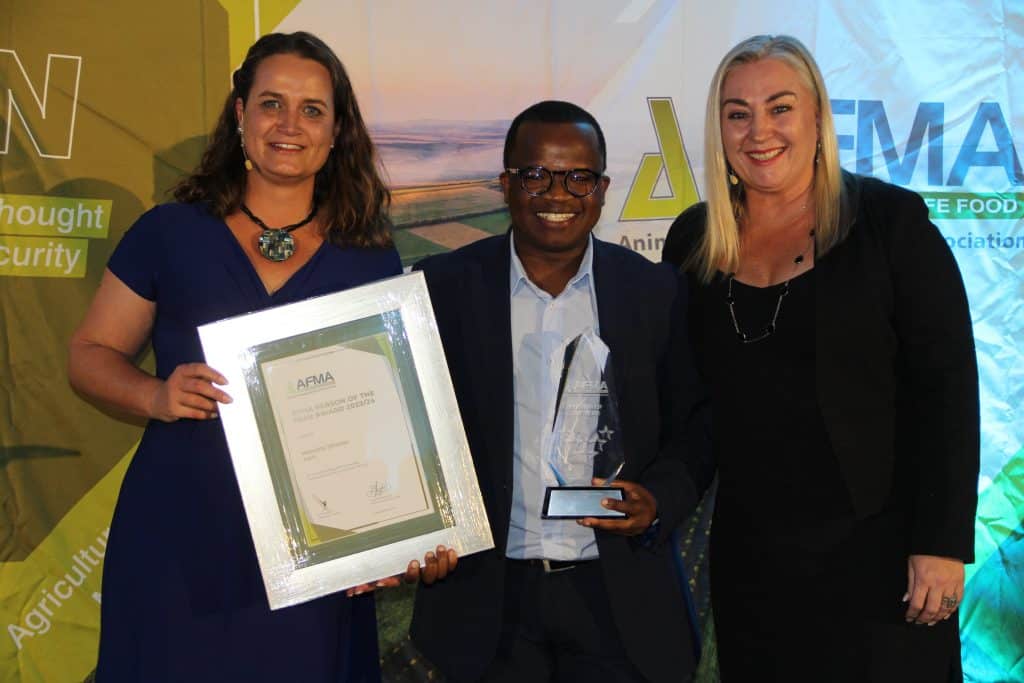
x: 556, y: 221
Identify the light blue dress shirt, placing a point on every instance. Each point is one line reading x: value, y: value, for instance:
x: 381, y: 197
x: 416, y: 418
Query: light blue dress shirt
x: 542, y: 326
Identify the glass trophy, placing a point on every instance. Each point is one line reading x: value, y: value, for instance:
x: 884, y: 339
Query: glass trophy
x: 586, y: 438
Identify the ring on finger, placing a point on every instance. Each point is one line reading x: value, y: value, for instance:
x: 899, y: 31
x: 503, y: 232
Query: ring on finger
x: 949, y: 602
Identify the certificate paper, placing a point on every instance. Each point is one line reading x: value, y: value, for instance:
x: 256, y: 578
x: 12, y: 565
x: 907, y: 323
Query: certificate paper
x: 345, y: 438
x: 338, y: 409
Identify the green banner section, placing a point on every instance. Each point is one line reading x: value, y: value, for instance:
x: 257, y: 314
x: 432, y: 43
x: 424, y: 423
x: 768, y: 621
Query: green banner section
x: 43, y: 257
x: 49, y: 601
x: 974, y: 205
x: 991, y: 626
x: 1000, y: 511
x: 26, y: 214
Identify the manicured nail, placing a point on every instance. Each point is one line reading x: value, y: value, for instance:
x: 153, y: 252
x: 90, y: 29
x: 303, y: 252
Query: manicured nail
x: 906, y: 596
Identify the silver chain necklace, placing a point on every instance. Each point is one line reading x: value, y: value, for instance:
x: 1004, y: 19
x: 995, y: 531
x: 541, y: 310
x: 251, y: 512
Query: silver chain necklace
x: 769, y: 329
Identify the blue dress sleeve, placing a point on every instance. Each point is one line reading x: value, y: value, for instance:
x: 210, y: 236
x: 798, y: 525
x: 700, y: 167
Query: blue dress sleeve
x: 136, y: 259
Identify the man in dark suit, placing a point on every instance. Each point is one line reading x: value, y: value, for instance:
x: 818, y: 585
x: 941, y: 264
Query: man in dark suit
x: 595, y: 599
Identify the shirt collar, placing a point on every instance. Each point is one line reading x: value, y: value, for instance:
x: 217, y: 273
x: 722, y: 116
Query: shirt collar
x: 519, y: 279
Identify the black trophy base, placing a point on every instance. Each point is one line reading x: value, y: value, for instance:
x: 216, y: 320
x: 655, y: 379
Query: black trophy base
x: 577, y: 502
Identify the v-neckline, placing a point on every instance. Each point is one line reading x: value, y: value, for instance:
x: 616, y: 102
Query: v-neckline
x: 261, y: 286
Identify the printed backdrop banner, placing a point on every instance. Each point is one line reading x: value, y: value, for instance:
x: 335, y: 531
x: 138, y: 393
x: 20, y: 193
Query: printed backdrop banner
x: 104, y: 105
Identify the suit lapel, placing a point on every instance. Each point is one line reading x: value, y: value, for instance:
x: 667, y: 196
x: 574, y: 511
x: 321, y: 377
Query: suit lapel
x: 613, y: 316
x: 612, y: 305
x: 488, y: 334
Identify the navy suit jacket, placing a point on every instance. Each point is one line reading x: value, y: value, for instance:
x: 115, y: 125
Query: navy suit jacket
x: 457, y: 621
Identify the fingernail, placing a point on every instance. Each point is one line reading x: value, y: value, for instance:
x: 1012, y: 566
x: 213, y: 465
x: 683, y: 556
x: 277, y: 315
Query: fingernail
x: 606, y: 502
x: 415, y: 564
x: 430, y: 556
x: 380, y: 584
x: 906, y: 596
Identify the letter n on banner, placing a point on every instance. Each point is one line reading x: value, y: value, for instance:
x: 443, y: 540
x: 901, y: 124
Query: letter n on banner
x: 46, y: 112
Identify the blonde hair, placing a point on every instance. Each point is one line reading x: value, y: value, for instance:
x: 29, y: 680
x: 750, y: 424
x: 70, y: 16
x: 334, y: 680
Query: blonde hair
x: 720, y: 246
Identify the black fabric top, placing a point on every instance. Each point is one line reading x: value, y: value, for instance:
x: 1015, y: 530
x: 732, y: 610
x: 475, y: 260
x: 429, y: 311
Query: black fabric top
x: 776, y: 465
x: 896, y: 377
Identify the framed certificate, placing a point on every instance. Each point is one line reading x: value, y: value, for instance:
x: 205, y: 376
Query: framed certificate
x: 345, y: 437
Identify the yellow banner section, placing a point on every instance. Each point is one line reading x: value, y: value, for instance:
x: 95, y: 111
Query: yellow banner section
x: 43, y: 257
x: 249, y: 19
x: 663, y: 185
x: 50, y: 602
x: 32, y: 214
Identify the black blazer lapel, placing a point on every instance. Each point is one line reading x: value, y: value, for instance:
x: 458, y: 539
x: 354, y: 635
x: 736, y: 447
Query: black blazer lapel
x: 856, y: 348
x: 488, y: 335
x: 614, y: 316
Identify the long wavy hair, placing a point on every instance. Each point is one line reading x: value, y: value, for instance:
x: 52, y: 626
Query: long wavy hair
x: 720, y: 246
x: 349, y: 188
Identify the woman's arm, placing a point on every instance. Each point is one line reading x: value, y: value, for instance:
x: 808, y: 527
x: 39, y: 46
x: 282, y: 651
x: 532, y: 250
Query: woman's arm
x: 101, y: 361
x: 938, y: 430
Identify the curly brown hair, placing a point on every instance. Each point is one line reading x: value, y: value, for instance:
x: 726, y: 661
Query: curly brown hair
x: 349, y: 189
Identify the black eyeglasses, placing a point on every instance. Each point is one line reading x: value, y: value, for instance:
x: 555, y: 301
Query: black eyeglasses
x: 536, y: 180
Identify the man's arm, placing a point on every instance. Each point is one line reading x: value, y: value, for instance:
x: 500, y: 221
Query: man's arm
x: 670, y: 487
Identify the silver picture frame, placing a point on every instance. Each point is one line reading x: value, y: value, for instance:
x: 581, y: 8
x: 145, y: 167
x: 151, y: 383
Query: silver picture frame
x: 346, y: 438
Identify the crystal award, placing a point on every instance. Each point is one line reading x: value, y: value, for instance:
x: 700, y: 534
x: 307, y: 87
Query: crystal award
x: 586, y: 436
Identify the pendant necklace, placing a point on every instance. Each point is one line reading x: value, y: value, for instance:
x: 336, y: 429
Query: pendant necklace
x: 277, y: 244
x: 768, y: 329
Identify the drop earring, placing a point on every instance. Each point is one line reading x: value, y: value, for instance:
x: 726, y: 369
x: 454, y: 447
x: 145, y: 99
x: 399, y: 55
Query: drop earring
x: 241, y: 141
x: 733, y: 179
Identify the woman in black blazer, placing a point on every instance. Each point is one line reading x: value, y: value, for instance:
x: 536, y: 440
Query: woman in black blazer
x: 830, y: 322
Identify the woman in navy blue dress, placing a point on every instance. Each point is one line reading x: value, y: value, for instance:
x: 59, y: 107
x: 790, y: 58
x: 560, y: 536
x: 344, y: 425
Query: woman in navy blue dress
x: 286, y: 204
